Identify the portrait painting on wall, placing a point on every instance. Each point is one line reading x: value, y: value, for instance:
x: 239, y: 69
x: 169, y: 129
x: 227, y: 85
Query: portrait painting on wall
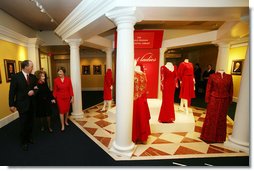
x: 19, y: 65
x: 237, y: 66
x: 97, y: 69
x: 85, y: 69
x: 10, y: 69
x: 0, y: 76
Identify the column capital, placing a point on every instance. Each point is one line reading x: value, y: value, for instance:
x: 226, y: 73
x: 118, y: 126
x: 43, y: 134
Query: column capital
x: 108, y: 50
x: 223, y: 43
x: 34, y: 42
x: 74, y: 42
x: 125, y: 16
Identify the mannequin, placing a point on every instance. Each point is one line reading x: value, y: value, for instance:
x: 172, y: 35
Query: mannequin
x: 187, y: 83
x: 170, y: 66
x: 168, y: 84
x: 108, y: 86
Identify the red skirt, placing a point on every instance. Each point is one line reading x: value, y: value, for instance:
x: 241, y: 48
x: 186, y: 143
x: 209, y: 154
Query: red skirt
x: 141, y: 116
x: 63, y: 105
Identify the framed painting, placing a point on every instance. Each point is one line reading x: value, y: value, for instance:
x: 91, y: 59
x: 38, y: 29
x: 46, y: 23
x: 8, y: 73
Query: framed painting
x: 97, y: 69
x: 237, y: 66
x: 19, y: 65
x: 86, y: 70
x: 10, y: 69
x: 0, y: 76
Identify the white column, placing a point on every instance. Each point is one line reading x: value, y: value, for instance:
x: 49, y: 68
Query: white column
x: 108, y: 57
x: 33, y: 52
x: 162, y: 62
x: 241, y: 131
x: 223, y: 56
x: 77, y: 111
x: 125, y: 20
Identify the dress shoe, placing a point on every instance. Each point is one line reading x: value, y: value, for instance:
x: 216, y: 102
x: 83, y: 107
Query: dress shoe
x: 25, y: 147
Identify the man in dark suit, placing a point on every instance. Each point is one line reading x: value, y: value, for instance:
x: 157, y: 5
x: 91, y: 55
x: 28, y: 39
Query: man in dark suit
x: 21, y: 98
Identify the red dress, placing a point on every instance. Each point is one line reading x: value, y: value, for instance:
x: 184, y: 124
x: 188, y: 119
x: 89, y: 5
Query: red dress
x: 186, y: 75
x: 63, y: 92
x: 108, y: 82
x: 141, y: 113
x: 219, y: 94
x: 168, y: 84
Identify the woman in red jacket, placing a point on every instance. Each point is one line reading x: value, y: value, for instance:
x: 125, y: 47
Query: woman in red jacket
x: 63, y: 94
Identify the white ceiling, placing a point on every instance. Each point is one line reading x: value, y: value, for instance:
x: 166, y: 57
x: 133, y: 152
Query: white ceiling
x: 28, y: 13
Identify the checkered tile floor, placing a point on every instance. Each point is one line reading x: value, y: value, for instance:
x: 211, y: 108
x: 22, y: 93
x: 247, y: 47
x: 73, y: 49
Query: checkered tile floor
x: 165, y: 145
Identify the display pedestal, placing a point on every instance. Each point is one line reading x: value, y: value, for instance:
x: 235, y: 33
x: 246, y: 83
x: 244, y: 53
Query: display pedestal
x: 183, y: 122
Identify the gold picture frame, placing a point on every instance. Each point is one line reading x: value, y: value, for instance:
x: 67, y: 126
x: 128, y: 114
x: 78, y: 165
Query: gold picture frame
x: 237, y: 67
x: 10, y: 69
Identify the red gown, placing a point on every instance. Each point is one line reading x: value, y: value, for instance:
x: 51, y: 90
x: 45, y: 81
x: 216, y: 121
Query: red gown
x: 219, y: 94
x: 63, y: 92
x: 108, y: 82
x: 141, y: 113
x: 168, y: 84
x: 186, y: 75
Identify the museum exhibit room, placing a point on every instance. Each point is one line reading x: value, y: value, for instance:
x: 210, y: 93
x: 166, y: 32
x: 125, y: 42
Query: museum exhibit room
x: 125, y: 83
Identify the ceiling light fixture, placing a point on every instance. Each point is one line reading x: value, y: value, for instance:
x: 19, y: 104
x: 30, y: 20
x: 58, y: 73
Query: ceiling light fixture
x: 42, y: 10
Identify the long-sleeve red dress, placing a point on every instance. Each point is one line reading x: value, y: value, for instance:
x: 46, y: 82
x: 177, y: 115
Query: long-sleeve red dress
x: 141, y: 113
x: 168, y: 84
x: 63, y: 92
x: 108, y: 82
x: 186, y: 76
x: 219, y: 94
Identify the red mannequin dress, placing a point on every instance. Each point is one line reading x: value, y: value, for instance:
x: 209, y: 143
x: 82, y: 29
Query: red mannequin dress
x: 168, y: 84
x: 219, y: 94
x: 141, y: 113
x: 186, y: 75
x: 108, y: 82
x: 63, y: 92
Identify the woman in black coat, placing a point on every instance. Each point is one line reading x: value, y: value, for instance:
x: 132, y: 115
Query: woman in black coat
x: 44, y: 100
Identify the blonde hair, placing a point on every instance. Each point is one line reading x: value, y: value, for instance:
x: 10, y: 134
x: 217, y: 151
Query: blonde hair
x: 39, y: 73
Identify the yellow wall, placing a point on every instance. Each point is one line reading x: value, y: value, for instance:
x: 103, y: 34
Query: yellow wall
x: 13, y: 52
x: 92, y: 81
x: 235, y: 54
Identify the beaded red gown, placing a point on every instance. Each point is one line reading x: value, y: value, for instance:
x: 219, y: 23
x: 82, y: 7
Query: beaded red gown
x: 141, y: 113
x: 219, y: 93
x: 108, y: 82
x: 168, y: 85
x: 186, y: 76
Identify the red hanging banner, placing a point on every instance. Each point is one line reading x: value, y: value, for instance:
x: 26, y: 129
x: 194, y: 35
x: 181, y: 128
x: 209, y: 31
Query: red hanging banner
x: 146, y: 51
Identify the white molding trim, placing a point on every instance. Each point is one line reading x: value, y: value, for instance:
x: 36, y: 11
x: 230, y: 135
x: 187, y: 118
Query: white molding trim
x: 84, y: 14
x: 190, y: 40
x: 8, y: 119
x: 12, y: 36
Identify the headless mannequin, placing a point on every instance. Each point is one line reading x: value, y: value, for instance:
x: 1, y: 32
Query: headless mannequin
x: 221, y: 71
x: 170, y: 66
x: 138, y: 69
x: 107, y: 103
x: 184, y: 102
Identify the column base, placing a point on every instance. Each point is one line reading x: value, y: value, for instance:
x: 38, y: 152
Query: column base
x: 77, y: 115
x: 237, y: 145
x: 122, y: 151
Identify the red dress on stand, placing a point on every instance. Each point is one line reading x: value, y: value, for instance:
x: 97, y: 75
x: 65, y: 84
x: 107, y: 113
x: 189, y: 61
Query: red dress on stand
x: 186, y: 75
x: 141, y: 113
x: 108, y: 82
x: 168, y: 84
x: 219, y: 94
x: 63, y: 92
